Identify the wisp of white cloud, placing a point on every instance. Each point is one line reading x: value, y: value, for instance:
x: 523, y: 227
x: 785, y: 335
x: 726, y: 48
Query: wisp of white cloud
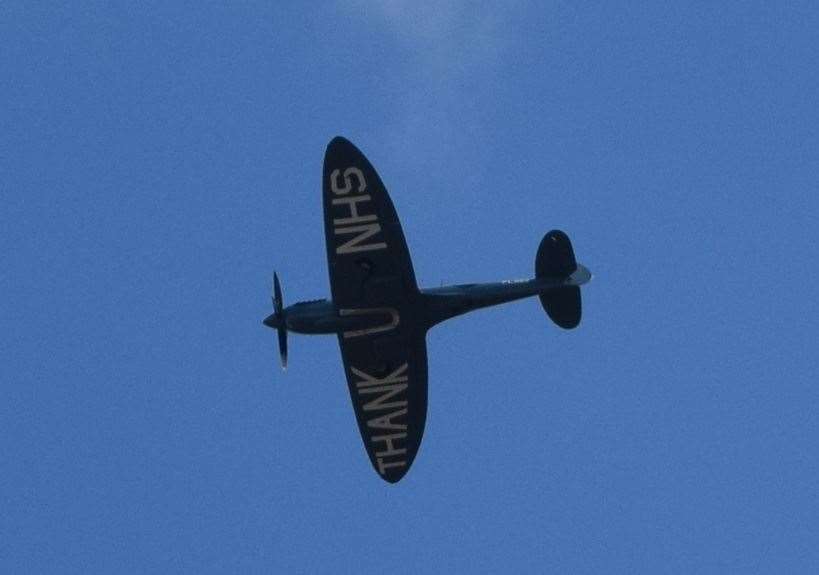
x: 453, y: 44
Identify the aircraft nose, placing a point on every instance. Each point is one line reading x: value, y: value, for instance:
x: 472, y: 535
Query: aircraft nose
x: 271, y: 321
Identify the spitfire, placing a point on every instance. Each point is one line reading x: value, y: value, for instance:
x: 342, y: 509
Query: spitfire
x: 381, y: 317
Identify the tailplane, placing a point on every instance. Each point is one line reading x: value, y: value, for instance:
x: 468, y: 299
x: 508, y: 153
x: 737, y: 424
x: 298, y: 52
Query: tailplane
x: 555, y: 260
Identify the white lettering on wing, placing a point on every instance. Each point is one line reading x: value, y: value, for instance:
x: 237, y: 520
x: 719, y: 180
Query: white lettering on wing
x: 348, y: 183
x: 390, y: 397
x: 355, y: 217
x: 353, y: 221
x: 395, y: 318
x: 354, y: 244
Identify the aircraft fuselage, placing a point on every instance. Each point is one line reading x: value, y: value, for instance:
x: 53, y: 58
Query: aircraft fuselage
x: 434, y: 305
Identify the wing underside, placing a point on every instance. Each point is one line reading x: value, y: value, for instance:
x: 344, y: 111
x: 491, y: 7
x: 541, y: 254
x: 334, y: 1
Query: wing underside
x: 371, y: 278
x: 367, y: 255
x: 387, y: 378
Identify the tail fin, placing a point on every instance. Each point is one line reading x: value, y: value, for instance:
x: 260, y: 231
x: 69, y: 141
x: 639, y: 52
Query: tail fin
x: 555, y: 259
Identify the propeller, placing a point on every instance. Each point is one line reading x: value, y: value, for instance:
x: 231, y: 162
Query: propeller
x: 277, y: 319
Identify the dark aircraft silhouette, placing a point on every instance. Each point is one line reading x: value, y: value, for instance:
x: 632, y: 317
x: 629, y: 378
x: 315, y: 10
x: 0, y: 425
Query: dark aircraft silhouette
x: 380, y: 315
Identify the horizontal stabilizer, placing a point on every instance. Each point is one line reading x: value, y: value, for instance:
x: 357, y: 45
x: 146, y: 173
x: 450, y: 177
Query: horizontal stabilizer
x: 555, y: 260
x: 563, y: 306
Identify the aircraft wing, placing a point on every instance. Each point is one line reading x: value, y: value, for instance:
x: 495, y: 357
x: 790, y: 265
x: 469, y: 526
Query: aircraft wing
x: 372, y: 282
x: 387, y: 377
x: 366, y: 251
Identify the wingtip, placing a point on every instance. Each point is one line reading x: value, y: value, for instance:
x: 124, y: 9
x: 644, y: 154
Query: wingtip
x: 340, y: 142
x: 394, y: 474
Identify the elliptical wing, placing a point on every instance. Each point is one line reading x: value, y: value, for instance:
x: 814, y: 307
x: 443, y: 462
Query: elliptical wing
x: 372, y: 279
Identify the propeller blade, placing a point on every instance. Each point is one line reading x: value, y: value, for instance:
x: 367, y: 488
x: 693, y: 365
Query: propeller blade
x: 277, y: 295
x: 277, y: 319
x: 283, y: 345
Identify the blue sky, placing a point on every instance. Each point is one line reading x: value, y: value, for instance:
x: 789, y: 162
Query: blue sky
x: 159, y: 162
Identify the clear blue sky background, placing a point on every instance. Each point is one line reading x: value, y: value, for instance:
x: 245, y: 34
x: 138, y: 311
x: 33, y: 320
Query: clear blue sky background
x: 158, y: 162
